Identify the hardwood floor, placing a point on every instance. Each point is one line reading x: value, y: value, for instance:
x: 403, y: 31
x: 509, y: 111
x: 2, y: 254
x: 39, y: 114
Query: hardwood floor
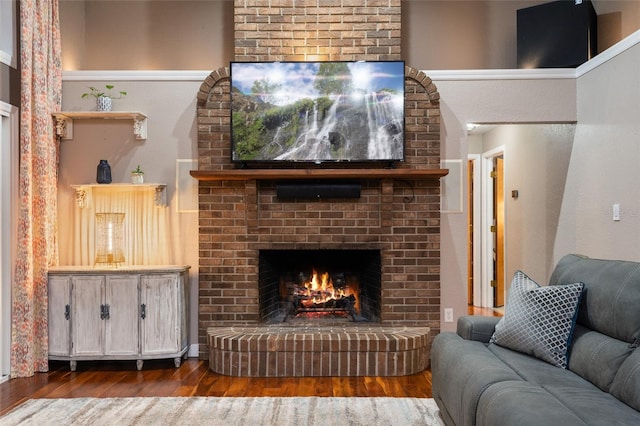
x: 489, y: 312
x: 193, y: 378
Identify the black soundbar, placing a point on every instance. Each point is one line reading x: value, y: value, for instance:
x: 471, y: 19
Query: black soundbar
x: 318, y: 190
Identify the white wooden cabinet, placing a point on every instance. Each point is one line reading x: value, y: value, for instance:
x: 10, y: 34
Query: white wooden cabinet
x: 126, y: 313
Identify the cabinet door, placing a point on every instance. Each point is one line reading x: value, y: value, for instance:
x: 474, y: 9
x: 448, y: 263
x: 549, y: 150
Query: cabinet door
x: 160, y: 322
x: 59, y: 315
x: 87, y: 309
x: 121, y: 323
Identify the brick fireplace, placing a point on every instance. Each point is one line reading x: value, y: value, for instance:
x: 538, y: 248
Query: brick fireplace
x: 396, y: 215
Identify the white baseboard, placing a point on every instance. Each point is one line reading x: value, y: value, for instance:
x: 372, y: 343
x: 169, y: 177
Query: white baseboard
x: 194, y: 350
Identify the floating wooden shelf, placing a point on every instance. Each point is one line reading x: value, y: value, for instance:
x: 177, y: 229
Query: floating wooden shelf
x: 293, y: 174
x: 64, y: 121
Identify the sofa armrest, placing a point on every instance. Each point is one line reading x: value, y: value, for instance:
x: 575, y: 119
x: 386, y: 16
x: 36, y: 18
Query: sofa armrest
x: 475, y: 327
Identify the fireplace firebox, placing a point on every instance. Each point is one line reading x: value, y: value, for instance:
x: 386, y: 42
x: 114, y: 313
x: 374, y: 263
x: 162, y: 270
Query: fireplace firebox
x: 319, y: 285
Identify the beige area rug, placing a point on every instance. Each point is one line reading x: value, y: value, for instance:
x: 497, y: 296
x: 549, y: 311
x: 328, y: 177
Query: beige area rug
x: 294, y: 411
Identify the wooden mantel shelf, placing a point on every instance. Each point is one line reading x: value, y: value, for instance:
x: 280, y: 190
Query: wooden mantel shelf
x: 291, y: 174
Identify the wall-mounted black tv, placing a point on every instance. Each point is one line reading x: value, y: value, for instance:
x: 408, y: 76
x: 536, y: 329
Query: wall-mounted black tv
x: 317, y: 111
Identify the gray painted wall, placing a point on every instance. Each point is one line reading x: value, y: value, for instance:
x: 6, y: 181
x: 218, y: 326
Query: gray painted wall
x: 605, y: 164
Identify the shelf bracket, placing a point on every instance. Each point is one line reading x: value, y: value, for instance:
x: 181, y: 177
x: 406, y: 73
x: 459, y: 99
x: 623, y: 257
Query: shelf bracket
x: 64, y: 127
x: 140, y: 128
x: 82, y: 200
x: 160, y: 198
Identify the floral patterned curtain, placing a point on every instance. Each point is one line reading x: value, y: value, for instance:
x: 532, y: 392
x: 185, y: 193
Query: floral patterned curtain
x: 41, y: 90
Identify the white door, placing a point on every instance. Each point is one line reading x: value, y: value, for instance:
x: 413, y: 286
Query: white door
x: 87, y: 315
x: 59, y: 315
x: 121, y: 319
x: 160, y: 324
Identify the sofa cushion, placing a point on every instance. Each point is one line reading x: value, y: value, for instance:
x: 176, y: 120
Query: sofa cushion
x: 539, y: 320
x: 521, y: 403
x: 626, y: 385
x: 525, y: 403
x: 461, y: 371
x: 594, y: 406
x: 611, y: 294
x: 533, y: 370
x: 596, y: 356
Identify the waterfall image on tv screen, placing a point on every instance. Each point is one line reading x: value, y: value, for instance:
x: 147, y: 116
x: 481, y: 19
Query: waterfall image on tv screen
x: 317, y: 111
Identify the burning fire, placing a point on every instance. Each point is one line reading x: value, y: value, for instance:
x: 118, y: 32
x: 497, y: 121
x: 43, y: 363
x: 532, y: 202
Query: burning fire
x: 319, y: 289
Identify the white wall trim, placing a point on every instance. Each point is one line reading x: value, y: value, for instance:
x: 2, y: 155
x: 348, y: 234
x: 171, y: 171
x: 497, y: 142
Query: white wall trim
x: 8, y: 33
x: 506, y: 74
x: 194, y: 350
x: 7, y: 59
x: 133, y: 75
x: 7, y: 109
x: 615, y: 50
x: 436, y: 75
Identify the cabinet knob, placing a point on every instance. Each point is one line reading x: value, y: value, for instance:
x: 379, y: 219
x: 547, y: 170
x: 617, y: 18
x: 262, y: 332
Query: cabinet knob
x: 143, y: 311
x: 67, y: 312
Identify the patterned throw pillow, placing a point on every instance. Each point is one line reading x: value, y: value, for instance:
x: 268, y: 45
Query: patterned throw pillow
x: 539, y: 321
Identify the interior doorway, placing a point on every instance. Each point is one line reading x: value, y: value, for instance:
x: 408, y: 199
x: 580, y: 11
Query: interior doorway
x: 486, y: 229
x: 528, y: 210
x: 497, y: 230
x: 470, y: 237
x: 474, y: 247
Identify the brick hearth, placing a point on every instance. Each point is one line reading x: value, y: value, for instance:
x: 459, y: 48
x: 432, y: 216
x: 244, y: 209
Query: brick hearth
x: 285, y: 351
x: 398, y: 217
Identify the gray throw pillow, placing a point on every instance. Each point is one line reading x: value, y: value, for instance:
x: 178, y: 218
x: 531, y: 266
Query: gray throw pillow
x: 539, y: 321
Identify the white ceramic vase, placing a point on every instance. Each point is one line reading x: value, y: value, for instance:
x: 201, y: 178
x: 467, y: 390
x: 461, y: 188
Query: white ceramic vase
x: 137, y: 178
x: 103, y: 103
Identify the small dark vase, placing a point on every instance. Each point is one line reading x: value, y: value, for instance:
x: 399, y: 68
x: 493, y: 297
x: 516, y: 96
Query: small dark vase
x: 104, y: 172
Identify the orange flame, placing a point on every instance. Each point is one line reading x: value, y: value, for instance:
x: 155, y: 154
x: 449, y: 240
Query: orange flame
x: 320, y: 289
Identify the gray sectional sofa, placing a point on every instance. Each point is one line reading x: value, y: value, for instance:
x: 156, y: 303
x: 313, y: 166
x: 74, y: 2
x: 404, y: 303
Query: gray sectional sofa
x: 480, y: 383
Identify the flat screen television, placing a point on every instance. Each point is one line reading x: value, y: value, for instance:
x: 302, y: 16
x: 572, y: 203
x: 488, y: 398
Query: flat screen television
x: 317, y: 111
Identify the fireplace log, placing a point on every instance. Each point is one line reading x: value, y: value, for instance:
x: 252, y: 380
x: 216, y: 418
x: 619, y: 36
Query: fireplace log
x: 344, y: 304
